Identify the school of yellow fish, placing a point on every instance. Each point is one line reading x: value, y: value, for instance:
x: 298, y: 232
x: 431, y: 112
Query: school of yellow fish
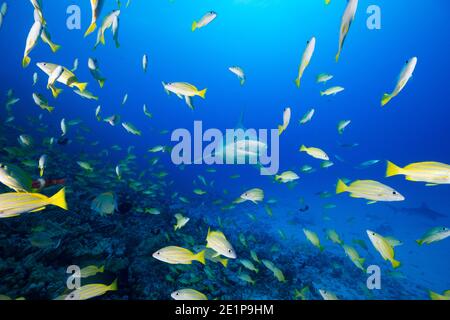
x: 24, y: 199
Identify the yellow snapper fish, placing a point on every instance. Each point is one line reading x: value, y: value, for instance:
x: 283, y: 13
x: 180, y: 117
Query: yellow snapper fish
x: 342, y: 125
x: 254, y: 256
x: 67, y: 77
x: 354, y: 257
x: 95, y: 72
x: 383, y: 247
x: 110, y: 21
x: 315, y: 153
x: 371, y: 190
x: 403, y: 79
x: 32, y: 39
x: 286, y: 120
x: 104, y: 204
x: 42, y: 164
x: 313, y: 238
x: 433, y: 173
x: 332, y: 91
x: 253, y: 195
x: 90, y: 271
x: 287, y: 176
x: 85, y: 165
x: 324, y: 78
x: 131, y: 128
x: 14, y: 204
x: 91, y: 291
x: 188, y: 294
x: 144, y: 62
x: 327, y: 295
x: 86, y: 94
x: 346, y: 22
x: 41, y: 102
x: 15, y: 178
x: 279, y: 274
x: 204, y: 21
x: 181, y: 221
x: 217, y: 241
x: 96, y: 8
x: 334, y: 237
x: 434, y: 234
x: 246, y: 278
x: 178, y: 255
x: 249, y: 265
x: 307, y: 117
x: 183, y: 89
x: 306, y: 59
x: 239, y: 73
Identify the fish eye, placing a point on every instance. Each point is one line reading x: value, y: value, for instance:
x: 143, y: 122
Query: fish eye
x: 158, y: 252
x: 230, y: 251
x: 394, y: 193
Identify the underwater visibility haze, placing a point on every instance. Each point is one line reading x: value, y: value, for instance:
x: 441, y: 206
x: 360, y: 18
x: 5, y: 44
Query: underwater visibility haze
x: 94, y: 205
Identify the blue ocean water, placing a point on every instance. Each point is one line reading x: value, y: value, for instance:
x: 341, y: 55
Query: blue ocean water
x: 267, y: 39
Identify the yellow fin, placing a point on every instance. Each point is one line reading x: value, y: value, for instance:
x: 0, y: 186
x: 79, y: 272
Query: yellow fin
x: 385, y: 100
x: 341, y: 187
x: 395, y: 264
x: 297, y: 82
x: 91, y: 29
x: 26, y: 61
x: 200, y: 257
x: 392, y: 169
x: 113, y: 286
x: 194, y: 26
x: 59, y: 199
x: 80, y: 85
x: 202, y: 93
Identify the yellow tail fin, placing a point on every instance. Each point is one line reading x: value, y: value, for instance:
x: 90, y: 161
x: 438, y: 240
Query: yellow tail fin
x: 338, y: 55
x: 200, y: 257
x: 101, y: 82
x: 202, y: 93
x: 41, y: 172
x: 419, y: 242
x: 91, y: 29
x: 385, y: 100
x: 59, y: 199
x: 80, y: 85
x: 194, y: 26
x: 54, y: 47
x: 395, y: 264
x: 49, y: 109
x: 113, y: 286
x: 26, y: 61
x: 101, y: 269
x: 392, y: 169
x: 341, y: 187
x: 280, y: 130
x: 303, y: 148
x: 297, y: 83
x: 55, y: 91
